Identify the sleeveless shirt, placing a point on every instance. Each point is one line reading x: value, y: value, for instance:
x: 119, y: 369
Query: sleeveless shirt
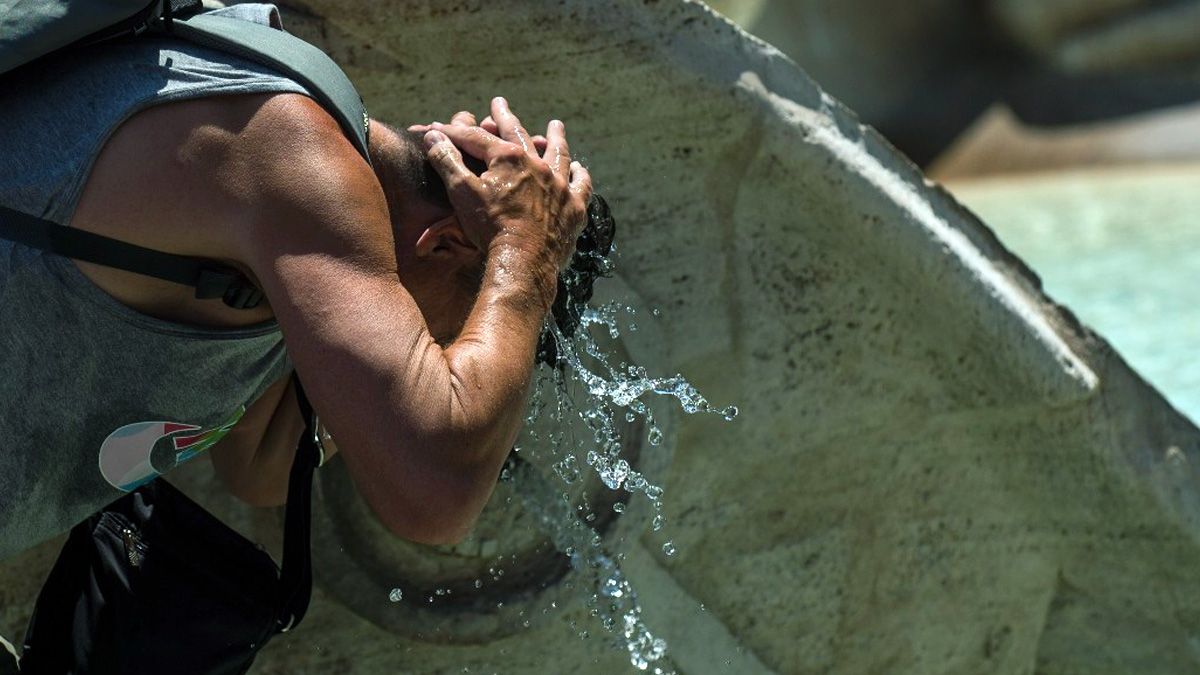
x: 96, y: 398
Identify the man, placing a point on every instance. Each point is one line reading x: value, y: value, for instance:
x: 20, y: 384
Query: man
x: 411, y: 323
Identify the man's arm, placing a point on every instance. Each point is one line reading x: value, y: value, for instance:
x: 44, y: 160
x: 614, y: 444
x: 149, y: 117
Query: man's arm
x: 424, y: 429
x: 254, y: 459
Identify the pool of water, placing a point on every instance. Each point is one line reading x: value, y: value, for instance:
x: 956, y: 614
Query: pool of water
x: 1120, y: 248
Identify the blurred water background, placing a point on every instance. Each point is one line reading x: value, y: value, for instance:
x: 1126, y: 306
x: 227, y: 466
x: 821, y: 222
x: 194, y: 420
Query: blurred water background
x: 1121, y: 248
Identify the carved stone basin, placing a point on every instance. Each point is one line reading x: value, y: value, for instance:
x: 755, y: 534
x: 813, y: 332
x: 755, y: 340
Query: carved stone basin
x: 935, y: 469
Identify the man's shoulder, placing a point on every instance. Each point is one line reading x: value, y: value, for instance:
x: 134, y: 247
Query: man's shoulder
x: 220, y: 160
x: 293, y: 137
x: 283, y: 169
x: 303, y: 167
x: 220, y: 177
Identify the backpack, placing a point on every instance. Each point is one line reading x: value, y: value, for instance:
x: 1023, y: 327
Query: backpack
x: 30, y: 30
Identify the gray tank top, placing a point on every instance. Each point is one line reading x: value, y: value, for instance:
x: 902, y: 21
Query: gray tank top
x: 95, y: 398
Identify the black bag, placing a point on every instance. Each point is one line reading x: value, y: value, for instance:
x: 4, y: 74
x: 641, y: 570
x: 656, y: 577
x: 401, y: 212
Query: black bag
x: 154, y: 584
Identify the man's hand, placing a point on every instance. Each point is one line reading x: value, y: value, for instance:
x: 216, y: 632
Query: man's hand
x: 529, y: 203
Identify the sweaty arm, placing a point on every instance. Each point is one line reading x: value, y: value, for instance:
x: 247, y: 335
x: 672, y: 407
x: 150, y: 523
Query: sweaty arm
x: 423, y: 428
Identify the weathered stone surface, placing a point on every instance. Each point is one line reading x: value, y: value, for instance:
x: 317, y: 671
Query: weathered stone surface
x: 936, y: 469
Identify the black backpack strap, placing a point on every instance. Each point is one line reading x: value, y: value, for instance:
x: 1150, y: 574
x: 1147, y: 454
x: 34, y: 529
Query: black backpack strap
x: 295, y: 577
x: 290, y: 56
x: 211, y: 279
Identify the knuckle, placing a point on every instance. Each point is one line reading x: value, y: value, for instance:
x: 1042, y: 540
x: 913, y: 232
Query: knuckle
x: 443, y: 152
x: 510, y: 152
x: 454, y: 182
x: 543, y: 171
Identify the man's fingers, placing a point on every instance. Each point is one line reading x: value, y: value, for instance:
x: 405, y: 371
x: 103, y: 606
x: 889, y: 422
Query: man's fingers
x: 473, y: 140
x: 539, y: 142
x: 489, y: 125
x: 463, y: 118
x: 581, y: 181
x: 510, y: 127
x: 447, y: 161
x: 557, y: 154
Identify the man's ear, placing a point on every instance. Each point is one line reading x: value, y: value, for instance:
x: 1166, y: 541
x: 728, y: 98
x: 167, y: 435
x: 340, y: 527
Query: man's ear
x: 445, y: 239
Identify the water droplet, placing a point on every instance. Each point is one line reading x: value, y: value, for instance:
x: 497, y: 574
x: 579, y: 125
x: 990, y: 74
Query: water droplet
x: 668, y: 548
x: 619, y: 507
x: 658, y: 523
x: 396, y: 595
x: 615, y: 474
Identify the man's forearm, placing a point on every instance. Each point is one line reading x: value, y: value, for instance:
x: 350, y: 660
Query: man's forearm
x: 492, y: 360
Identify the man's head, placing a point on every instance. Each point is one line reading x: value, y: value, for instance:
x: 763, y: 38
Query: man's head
x: 438, y: 264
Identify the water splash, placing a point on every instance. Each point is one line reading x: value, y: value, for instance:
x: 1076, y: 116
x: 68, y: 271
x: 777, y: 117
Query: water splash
x: 610, y: 393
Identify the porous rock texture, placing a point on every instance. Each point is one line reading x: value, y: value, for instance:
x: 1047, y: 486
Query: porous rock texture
x: 935, y: 468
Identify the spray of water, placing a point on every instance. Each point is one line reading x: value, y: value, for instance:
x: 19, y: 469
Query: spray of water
x: 609, y: 393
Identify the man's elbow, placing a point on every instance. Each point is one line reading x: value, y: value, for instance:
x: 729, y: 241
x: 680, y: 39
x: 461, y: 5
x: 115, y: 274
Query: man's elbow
x: 443, y: 528
x: 439, y: 512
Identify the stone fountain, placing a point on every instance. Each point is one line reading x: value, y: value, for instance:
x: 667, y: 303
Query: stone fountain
x: 936, y: 468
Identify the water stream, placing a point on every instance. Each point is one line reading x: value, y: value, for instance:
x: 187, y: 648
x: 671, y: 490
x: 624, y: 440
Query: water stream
x: 609, y: 393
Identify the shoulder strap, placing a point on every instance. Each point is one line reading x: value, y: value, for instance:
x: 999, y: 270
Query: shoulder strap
x: 295, y: 575
x: 210, y: 279
x: 292, y: 57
